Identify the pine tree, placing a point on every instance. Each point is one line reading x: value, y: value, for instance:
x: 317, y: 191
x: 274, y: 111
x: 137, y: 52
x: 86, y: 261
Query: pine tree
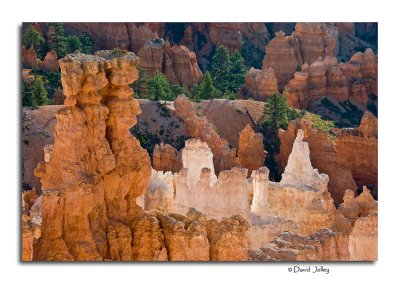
x: 180, y: 89
x: 32, y: 39
x: 207, y: 89
x: 39, y: 92
x: 159, y: 88
x: 87, y: 43
x: 58, y: 39
x: 73, y: 44
x: 275, y: 113
x: 220, y: 68
x: 237, y: 72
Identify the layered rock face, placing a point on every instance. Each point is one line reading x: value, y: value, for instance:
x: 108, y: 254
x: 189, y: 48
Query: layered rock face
x: 166, y: 158
x: 358, y: 150
x: 251, y: 152
x: 309, y: 41
x: 282, y: 55
x: 364, y: 67
x: 321, y: 78
x: 355, y: 80
x: 197, y: 185
x: 260, y: 84
x: 177, y: 62
x: 200, y: 128
x: 316, y: 40
x: 105, y: 169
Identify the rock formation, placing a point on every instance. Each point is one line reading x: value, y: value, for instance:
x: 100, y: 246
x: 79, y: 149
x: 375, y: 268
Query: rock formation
x: 363, y: 240
x: 288, y: 246
x: 88, y: 207
x: 30, y: 60
x: 282, y: 55
x: 260, y: 84
x: 338, y: 158
x: 197, y: 185
x: 316, y: 40
x: 364, y: 67
x: 238, y: 112
x: 321, y: 78
x: 177, y: 62
x: 299, y: 169
x: 358, y: 150
x: 50, y: 62
x: 299, y: 203
x: 81, y: 197
x: 184, y: 63
x: 361, y: 206
x: 200, y: 128
x: 362, y: 211
x: 355, y: 80
x: 251, y: 152
x: 160, y: 192
x: 166, y: 158
x: 323, y: 155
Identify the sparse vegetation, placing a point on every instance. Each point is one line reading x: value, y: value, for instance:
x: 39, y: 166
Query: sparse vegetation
x: 119, y: 51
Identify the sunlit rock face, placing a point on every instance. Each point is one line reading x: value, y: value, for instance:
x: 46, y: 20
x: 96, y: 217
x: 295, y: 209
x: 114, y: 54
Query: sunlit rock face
x: 299, y: 171
x: 299, y: 203
x: 197, y: 185
x: 96, y: 169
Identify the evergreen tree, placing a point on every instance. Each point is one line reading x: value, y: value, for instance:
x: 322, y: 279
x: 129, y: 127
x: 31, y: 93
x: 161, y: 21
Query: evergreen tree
x: 207, y: 89
x: 87, y: 43
x: 237, y: 72
x: 140, y: 87
x: 180, y: 89
x: 58, y: 39
x: 220, y: 68
x: 159, y: 88
x: 32, y: 39
x: 26, y: 95
x: 39, y: 92
x: 73, y: 44
x: 275, y: 113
